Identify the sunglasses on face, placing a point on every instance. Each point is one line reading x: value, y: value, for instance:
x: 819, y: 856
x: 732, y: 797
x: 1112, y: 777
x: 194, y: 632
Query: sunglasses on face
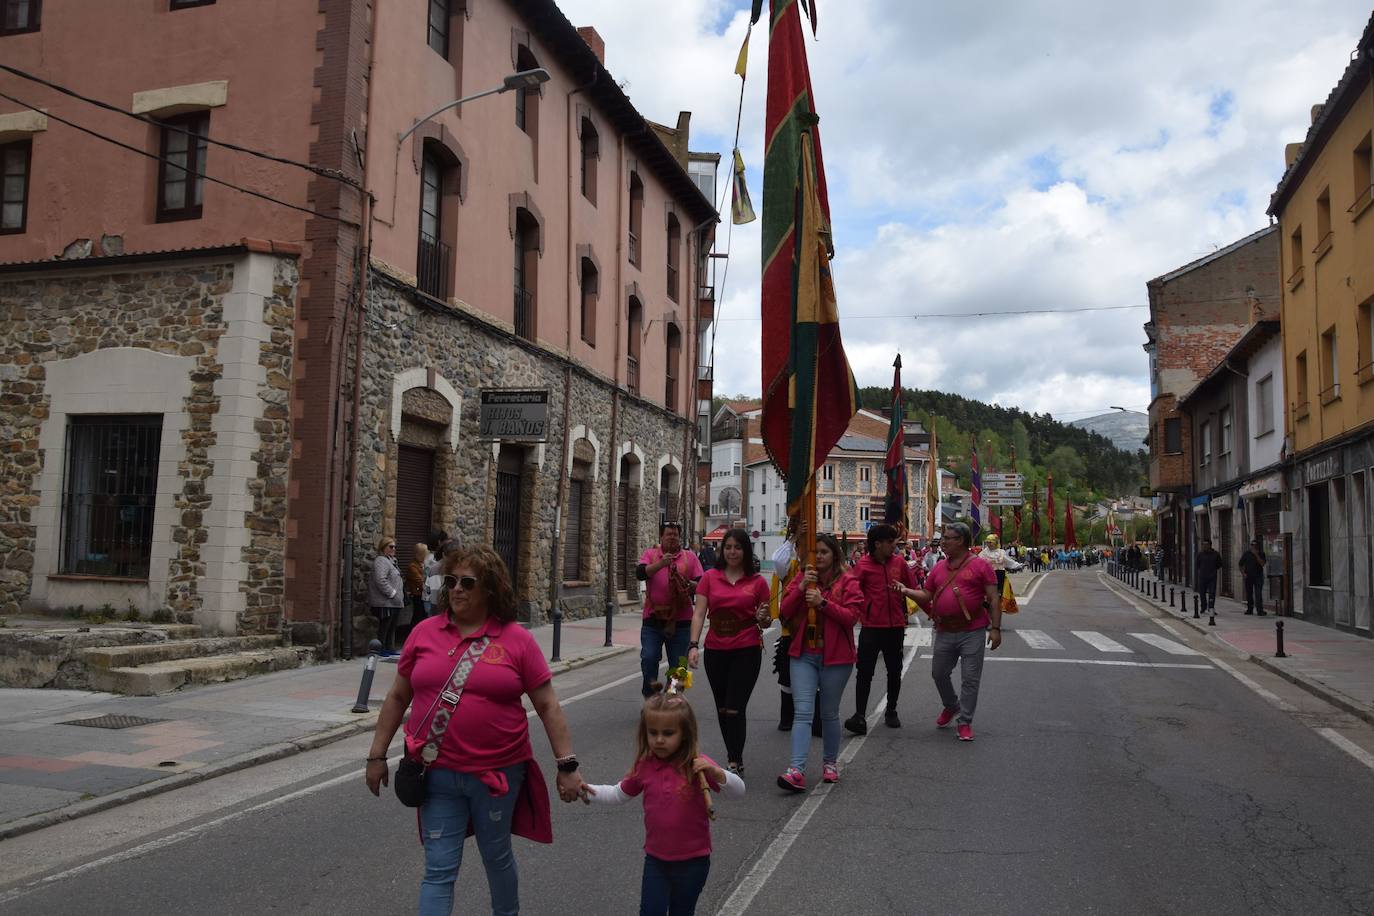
x: 466, y: 583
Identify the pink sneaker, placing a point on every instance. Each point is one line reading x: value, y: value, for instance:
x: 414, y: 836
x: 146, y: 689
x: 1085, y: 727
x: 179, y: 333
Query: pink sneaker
x: 965, y: 731
x: 946, y: 717
x: 830, y: 773
x: 793, y: 780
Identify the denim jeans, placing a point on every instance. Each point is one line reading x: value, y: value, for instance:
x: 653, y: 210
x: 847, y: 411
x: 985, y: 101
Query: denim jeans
x: 1207, y: 588
x: 966, y: 649
x: 672, y: 888
x: 652, y: 643
x: 807, y: 674
x: 451, y: 800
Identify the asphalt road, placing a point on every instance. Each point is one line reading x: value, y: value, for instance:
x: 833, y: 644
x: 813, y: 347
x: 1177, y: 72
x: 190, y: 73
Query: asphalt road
x: 1119, y: 767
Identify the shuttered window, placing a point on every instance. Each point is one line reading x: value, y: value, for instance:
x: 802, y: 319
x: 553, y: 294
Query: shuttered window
x: 572, y: 533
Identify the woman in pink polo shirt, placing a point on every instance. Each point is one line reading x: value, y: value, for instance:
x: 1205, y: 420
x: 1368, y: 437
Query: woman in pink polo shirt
x: 734, y: 597
x: 485, y: 780
x: 821, y: 606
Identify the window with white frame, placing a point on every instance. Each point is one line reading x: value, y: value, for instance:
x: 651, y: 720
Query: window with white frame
x: 864, y: 513
x: 1264, y: 405
x: 1204, y: 435
x: 827, y: 472
x: 1224, y: 422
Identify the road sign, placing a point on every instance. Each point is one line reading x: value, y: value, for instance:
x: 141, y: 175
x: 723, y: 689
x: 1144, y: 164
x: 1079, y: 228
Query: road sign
x: 1004, y: 501
x: 1002, y: 488
x: 997, y: 478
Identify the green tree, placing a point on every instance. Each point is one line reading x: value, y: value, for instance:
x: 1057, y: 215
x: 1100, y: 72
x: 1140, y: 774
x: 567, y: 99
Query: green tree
x: 1067, y: 467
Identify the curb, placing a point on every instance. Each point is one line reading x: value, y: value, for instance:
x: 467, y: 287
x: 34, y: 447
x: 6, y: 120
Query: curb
x: 1316, y: 688
x: 268, y: 754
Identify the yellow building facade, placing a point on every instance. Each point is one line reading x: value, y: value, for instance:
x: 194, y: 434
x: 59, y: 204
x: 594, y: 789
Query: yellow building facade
x: 1325, y: 210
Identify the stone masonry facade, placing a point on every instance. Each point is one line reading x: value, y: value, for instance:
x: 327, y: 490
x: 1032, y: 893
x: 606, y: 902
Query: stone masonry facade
x: 206, y: 343
x: 432, y: 361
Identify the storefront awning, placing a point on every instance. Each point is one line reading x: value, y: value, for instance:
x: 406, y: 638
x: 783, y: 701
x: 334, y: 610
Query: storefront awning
x: 1268, y: 485
x: 718, y: 534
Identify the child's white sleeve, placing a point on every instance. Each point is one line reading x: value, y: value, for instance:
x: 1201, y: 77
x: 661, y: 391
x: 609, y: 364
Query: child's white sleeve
x: 734, y: 786
x: 611, y: 795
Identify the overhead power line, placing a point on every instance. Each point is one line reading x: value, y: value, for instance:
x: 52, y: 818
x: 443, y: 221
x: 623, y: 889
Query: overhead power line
x: 322, y: 171
x: 1096, y: 308
x: 189, y: 171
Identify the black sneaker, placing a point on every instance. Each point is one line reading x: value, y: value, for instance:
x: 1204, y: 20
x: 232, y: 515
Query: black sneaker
x: 857, y: 724
x: 891, y: 720
x: 785, y: 726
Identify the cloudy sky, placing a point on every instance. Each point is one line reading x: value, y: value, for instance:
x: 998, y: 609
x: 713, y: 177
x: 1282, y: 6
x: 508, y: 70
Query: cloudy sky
x: 997, y: 156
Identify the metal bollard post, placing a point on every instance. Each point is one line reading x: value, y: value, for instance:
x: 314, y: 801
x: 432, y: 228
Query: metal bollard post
x: 1171, y: 596
x: 1196, y: 615
x: 610, y: 611
x: 369, y: 669
x: 1278, y: 632
x: 557, y: 631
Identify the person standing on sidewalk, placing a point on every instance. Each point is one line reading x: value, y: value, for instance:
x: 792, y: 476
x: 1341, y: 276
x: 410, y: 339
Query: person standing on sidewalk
x: 735, y: 598
x: 962, y: 599
x: 1252, y: 574
x: 1206, y: 567
x: 384, y: 594
x: 884, y: 618
x: 670, y: 575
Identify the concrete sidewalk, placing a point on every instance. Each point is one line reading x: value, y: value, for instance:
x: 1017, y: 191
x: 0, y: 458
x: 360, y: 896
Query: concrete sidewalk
x: 52, y: 770
x: 1334, y: 665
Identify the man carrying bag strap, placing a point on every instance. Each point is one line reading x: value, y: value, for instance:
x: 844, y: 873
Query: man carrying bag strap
x: 410, y: 774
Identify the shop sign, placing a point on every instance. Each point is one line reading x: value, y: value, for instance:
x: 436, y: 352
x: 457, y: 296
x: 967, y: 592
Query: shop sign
x: 1268, y: 485
x: 1320, y: 469
x: 514, y: 415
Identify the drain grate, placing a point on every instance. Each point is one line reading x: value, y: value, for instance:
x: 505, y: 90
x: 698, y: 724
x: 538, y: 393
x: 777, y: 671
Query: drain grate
x: 112, y: 721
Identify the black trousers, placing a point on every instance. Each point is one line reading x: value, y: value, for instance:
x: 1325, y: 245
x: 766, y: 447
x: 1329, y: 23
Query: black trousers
x: 874, y: 641
x: 733, y: 674
x: 1254, y: 593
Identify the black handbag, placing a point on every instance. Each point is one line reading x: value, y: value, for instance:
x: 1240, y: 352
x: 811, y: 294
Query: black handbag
x: 409, y: 781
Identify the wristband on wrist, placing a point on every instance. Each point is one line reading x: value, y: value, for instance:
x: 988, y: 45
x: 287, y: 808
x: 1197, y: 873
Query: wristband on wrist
x: 694, y: 645
x: 376, y: 759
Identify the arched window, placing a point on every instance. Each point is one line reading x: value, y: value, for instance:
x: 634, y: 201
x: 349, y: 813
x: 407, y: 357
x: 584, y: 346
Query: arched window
x: 633, y: 333
x: 591, y: 280
x: 636, y: 216
x: 591, y: 152
x: 526, y: 258
x: 674, y: 358
x: 674, y: 246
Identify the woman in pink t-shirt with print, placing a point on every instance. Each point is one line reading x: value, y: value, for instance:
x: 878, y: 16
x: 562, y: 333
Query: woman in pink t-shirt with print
x: 484, y: 780
x: 734, y: 597
x: 677, y: 828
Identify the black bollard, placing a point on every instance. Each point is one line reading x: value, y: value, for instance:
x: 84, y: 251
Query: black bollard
x: 1278, y: 632
x: 1171, y: 596
x: 369, y: 669
x: 610, y: 610
x: 557, y: 631
x: 1196, y: 615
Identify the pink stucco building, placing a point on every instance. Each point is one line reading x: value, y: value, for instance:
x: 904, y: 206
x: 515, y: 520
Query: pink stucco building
x: 206, y: 402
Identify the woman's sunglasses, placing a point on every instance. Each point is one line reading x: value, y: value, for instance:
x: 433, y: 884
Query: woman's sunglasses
x: 467, y: 583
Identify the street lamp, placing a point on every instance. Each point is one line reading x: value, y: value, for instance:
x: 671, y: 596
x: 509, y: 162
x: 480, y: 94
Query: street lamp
x: 525, y: 79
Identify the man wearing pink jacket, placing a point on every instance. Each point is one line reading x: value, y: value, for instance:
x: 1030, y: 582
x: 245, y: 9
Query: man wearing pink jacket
x: 884, y: 618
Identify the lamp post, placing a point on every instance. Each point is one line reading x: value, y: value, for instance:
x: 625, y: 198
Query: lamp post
x: 525, y: 79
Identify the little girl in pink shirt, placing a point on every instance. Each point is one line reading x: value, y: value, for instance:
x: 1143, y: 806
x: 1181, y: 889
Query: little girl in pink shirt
x: 677, y: 831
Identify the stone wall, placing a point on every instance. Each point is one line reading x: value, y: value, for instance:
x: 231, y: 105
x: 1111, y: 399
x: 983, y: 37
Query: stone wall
x: 108, y: 333
x: 450, y: 354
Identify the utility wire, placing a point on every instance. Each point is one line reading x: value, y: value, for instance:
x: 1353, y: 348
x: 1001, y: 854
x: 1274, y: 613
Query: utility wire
x: 1096, y: 308
x: 322, y: 171
x: 186, y: 169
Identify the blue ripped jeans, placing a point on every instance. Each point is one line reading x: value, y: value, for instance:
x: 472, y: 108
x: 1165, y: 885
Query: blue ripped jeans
x: 451, y: 799
x: 808, y: 673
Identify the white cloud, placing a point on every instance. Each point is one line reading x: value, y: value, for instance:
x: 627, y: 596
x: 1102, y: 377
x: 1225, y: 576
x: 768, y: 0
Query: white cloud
x: 997, y: 156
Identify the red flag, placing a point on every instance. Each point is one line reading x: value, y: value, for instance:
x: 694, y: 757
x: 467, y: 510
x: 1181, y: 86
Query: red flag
x: 895, y: 507
x: 1035, y: 517
x: 1049, y: 504
x: 1016, y: 510
x: 1069, y: 539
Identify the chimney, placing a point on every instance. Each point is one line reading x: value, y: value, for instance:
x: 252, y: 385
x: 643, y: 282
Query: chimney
x: 594, y: 41
x: 1317, y: 111
x: 1291, y: 152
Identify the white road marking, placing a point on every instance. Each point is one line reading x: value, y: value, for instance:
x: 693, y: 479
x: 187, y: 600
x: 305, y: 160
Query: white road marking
x: 1100, y: 641
x: 1030, y: 592
x: 181, y: 835
x: 1350, y: 747
x: 1038, y: 639
x: 994, y: 657
x: 1168, y: 645
x: 757, y: 876
x: 918, y: 636
x: 1250, y: 682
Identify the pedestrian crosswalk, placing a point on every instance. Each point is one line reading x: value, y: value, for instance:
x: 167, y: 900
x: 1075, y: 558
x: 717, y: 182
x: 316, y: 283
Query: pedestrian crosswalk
x: 1041, y: 641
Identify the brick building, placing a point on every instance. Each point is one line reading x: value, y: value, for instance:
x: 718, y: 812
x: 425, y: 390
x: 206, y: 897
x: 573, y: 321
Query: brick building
x: 202, y: 386
x: 1323, y: 204
x: 1197, y: 314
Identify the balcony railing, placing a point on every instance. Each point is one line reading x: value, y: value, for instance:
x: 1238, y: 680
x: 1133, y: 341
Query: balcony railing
x: 1301, y: 410
x: 434, y: 267
x: 1330, y: 394
x: 524, y: 314
x: 1295, y: 279
x: 632, y: 374
x: 1365, y: 373
x: 1361, y: 202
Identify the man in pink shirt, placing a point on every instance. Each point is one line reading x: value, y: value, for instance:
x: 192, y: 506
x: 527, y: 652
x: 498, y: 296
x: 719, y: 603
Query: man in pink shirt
x: 883, y: 616
x: 961, y: 596
x: 669, y: 574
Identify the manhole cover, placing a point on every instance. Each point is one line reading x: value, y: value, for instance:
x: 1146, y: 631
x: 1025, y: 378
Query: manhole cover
x: 113, y: 722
